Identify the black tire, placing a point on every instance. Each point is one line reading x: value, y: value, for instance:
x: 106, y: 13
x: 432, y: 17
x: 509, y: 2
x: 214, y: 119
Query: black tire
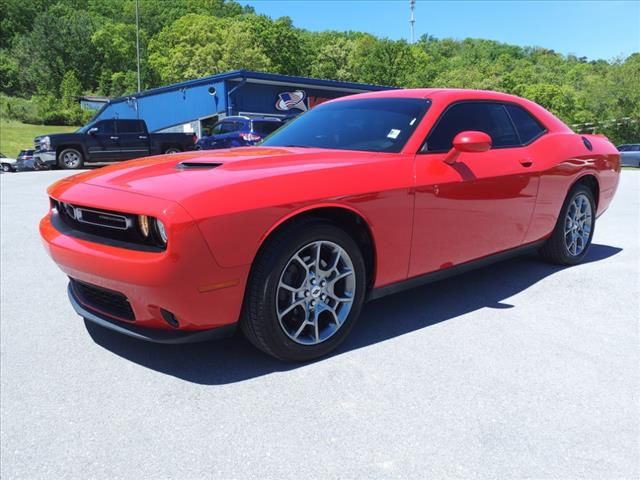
x: 259, y: 320
x: 172, y: 150
x: 6, y: 167
x: 555, y: 249
x: 70, y: 158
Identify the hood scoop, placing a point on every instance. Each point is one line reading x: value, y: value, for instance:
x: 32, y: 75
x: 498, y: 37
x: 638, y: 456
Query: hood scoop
x: 186, y: 165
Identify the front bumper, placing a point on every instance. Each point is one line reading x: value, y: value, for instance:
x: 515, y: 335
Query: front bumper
x: 184, y: 279
x: 149, y: 334
x: 46, y: 157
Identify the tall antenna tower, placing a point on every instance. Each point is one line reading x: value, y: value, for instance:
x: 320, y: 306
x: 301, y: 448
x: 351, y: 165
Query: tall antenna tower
x: 412, y: 18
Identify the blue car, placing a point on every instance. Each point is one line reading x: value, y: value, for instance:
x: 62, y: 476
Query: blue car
x: 238, y: 131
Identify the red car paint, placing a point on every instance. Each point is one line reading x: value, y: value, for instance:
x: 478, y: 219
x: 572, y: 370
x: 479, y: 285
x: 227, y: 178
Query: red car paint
x: 423, y: 214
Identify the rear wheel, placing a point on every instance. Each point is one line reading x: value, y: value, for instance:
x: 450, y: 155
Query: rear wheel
x: 70, y: 158
x: 306, y: 291
x: 571, y: 237
x: 171, y: 150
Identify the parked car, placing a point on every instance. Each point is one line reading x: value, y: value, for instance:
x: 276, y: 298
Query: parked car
x: 238, y: 131
x: 25, y: 155
x: 107, y: 141
x: 28, y: 164
x: 7, y: 164
x: 630, y: 155
x: 358, y: 198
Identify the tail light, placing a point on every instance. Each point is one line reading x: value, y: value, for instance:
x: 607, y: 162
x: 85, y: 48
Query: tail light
x: 250, y: 137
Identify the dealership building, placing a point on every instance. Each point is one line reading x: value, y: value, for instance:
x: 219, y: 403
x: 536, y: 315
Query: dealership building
x: 195, y: 105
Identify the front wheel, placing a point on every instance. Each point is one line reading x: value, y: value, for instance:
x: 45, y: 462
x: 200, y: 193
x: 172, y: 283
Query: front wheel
x: 6, y: 167
x: 571, y: 237
x: 171, y: 150
x: 70, y: 158
x: 306, y: 290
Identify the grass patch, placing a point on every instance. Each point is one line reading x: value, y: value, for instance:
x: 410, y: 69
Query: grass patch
x: 15, y: 136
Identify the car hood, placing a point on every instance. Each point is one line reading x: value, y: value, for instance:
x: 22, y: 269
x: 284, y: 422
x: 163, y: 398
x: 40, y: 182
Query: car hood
x: 57, y: 137
x: 184, y: 175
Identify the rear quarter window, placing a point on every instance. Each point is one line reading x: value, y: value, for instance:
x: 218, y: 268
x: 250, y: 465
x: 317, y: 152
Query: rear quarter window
x: 528, y: 127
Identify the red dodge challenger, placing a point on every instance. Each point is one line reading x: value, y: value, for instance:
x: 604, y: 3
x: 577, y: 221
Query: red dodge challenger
x: 359, y: 197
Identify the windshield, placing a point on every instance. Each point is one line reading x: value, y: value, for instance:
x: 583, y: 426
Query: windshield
x: 369, y: 124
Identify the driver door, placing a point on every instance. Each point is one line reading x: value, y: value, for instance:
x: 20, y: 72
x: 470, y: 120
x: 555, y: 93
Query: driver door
x: 103, y: 143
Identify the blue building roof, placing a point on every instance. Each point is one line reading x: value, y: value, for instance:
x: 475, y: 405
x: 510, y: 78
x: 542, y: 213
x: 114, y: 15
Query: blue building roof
x: 232, y: 93
x: 263, y: 76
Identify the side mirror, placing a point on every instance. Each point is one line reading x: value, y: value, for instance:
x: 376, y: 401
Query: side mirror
x: 92, y: 131
x: 469, y: 141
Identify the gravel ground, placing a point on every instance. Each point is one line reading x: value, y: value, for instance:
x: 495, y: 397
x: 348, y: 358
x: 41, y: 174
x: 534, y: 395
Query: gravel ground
x: 519, y: 370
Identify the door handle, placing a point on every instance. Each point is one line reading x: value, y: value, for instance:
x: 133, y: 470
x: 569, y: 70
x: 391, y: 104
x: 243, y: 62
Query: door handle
x: 114, y: 138
x: 142, y: 137
x: 526, y: 162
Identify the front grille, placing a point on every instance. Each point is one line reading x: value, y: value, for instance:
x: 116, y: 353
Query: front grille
x: 102, y: 301
x: 102, y: 219
x: 103, y: 226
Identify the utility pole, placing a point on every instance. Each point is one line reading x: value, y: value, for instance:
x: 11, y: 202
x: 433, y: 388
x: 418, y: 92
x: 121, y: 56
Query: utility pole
x: 138, y: 43
x: 412, y: 19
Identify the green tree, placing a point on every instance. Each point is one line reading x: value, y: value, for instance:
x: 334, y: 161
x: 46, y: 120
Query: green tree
x: 198, y: 45
x: 70, y: 90
x: 115, y: 47
x: 283, y: 44
x: 158, y: 14
x: 59, y: 41
x: 332, y: 53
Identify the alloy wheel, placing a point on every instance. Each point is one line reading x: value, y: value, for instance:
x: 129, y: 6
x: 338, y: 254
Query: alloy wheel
x: 577, y: 225
x: 315, y: 292
x: 71, y: 159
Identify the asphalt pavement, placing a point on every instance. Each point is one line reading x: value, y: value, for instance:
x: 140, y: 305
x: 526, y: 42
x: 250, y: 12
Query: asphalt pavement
x: 519, y: 370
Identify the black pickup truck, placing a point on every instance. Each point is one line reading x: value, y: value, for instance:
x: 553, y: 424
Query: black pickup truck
x: 107, y: 141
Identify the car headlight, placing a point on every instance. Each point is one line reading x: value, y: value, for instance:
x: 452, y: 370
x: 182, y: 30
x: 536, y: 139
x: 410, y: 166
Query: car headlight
x: 162, y: 232
x: 45, y: 143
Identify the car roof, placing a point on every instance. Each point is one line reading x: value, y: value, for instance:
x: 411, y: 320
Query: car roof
x: 439, y: 93
x: 450, y: 95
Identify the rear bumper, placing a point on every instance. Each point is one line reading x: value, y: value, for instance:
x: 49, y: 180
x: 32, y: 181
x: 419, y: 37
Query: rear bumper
x: 149, y: 334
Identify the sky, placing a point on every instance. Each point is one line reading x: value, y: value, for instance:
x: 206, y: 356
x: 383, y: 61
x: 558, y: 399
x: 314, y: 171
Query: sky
x: 593, y: 29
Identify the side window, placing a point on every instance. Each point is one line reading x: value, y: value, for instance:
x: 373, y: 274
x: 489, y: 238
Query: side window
x: 217, y: 129
x: 624, y: 148
x: 528, y: 127
x: 229, y: 127
x: 106, y: 127
x: 635, y: 148
x: 226, y: 127
x: 129, y: 126
x: 491, y: 118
